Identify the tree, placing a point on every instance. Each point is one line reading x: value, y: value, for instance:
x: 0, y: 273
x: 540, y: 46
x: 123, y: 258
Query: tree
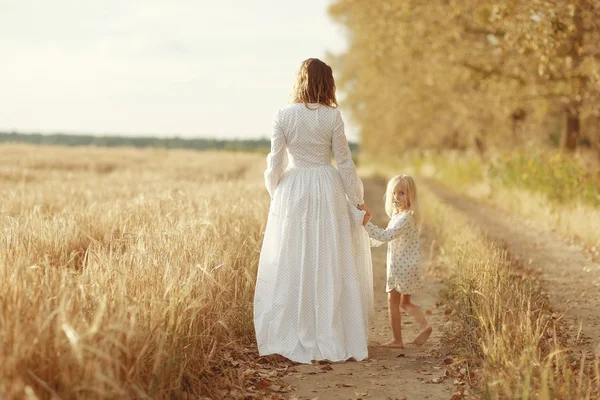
x: 464, y: 73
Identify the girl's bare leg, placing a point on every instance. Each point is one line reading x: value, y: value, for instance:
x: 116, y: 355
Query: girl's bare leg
x: 416, y: 312
x: 395, y: 320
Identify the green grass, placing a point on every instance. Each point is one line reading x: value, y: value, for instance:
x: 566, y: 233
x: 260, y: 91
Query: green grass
x: 560, y: 177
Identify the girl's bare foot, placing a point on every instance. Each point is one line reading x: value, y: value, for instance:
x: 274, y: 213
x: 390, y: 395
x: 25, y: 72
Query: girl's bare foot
x: 423, y: 336
x: 394, y: 344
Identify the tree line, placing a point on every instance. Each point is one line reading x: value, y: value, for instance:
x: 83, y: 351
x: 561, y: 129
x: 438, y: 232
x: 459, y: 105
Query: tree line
x: 254, y: 145
x: 471, y: 74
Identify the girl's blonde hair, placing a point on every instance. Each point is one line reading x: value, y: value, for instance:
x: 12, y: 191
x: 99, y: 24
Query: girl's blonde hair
x: 408, y: 185
x: 315, y: 84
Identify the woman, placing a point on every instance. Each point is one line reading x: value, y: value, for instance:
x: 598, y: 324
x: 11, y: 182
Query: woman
x: 314, y: 289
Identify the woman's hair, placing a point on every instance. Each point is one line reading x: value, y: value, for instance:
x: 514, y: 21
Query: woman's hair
x: 407, y: 184
x: 315, y: 84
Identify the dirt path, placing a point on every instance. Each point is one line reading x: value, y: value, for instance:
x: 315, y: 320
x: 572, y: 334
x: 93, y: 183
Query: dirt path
x: 570, y: 279
x: 388, y: 374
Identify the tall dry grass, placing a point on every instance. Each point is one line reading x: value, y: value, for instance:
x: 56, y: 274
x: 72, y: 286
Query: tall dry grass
x: 125, y: 273
x: 502, y: 319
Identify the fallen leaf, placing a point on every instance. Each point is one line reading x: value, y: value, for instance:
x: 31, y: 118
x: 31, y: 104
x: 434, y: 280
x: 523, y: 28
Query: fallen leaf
x: 263, y: 384
x: 439, y: 379
x: 456, y: 396
x: 428, y: 312
x: 448, y: 361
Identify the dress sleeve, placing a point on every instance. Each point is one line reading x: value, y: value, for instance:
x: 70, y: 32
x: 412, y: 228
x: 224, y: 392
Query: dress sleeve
x: 277, y: 159
x: 343, y: 158
x: 377, y: 234
x: 374, y: 242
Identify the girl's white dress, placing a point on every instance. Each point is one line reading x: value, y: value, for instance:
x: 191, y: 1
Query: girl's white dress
x: 403, y: 257
x: 314, y: 288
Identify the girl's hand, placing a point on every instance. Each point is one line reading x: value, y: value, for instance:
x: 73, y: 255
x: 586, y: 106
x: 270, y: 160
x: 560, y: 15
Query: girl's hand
x: 366, y: 219
x: 367, y: 216
x: 364, y: 207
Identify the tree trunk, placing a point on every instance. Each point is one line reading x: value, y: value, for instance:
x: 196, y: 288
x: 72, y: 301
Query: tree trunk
x: 571, y: 129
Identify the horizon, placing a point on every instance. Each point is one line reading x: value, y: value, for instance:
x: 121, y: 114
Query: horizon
x: 125, y: 136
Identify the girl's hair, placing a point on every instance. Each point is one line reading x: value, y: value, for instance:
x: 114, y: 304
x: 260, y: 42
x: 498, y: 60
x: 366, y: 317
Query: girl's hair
x: 408, y: 185
x: 315, y: 84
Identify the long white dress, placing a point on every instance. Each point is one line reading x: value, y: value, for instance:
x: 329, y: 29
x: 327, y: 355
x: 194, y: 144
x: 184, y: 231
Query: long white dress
x: 314, y: 288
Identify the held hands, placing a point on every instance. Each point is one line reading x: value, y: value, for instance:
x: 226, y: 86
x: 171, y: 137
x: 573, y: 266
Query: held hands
x: 367, y: 217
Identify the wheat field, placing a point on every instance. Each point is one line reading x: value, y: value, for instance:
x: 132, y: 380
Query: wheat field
x: 125, y: 273
x: 129, y: 273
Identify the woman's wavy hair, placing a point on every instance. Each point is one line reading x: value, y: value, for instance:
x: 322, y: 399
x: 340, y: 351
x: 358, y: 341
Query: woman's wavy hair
x: 315, y: 84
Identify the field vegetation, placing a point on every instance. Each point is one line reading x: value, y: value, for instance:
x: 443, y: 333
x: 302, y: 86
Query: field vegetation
x: 127, y: 273
x: 502, y: 323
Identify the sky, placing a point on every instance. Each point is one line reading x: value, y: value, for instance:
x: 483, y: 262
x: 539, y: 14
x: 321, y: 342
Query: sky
x: 187, y: 68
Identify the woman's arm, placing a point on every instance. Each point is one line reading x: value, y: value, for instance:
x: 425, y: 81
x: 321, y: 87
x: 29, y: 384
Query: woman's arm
x: 353, y: 186
x: 277, y: 159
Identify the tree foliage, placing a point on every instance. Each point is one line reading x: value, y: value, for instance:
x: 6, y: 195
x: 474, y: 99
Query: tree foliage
x: 465, y: 73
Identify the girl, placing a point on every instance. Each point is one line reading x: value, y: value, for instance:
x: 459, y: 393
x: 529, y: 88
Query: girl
x: 403, y: 260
